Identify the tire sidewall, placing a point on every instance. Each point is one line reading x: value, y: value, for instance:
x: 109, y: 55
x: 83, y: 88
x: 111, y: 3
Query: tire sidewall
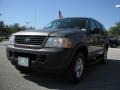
x: 114, y: 45
x: 74, y: 73
x: 104, y: 56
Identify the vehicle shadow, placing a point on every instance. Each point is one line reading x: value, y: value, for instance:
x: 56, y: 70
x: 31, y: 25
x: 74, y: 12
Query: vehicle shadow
x: 97, y: 76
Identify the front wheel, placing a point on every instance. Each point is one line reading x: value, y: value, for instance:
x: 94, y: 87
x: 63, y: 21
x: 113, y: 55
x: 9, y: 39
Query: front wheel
x: 77, y: 68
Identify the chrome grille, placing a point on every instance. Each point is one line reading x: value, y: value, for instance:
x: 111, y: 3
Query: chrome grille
x: 21, y: 40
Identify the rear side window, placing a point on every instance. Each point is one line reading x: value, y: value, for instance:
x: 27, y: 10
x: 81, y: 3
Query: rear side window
x: 93, y: 27
x: 100, y: 27
x: 104, y: 30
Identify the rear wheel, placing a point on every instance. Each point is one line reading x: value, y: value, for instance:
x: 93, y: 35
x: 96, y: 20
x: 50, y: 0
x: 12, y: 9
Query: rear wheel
x: 77, y: 68
x: 114, y: 45
x: 104, y: 57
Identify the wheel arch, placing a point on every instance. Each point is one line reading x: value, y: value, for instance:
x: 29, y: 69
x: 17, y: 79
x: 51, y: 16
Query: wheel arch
x: 81, y: 48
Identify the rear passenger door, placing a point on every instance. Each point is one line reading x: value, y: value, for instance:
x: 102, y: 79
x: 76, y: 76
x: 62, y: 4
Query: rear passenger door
x: 100, y: 38
x: 92, y: 39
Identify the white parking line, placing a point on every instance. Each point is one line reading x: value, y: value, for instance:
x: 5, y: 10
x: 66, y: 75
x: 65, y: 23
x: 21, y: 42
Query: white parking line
x: 114, y: 53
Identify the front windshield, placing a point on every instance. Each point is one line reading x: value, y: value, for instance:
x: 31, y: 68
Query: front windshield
x: 67, y: 23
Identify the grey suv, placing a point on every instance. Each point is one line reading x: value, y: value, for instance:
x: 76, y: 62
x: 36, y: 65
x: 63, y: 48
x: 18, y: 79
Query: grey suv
x: 64, y: 45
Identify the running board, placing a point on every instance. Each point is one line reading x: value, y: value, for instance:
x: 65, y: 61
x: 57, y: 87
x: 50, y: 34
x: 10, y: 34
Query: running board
x: 95, y: 61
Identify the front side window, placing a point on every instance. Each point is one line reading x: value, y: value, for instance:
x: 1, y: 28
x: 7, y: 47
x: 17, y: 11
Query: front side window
x: 92, y: 25
x: 67, y: 23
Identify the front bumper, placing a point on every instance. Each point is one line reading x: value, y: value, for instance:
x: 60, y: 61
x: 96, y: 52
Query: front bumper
x: 42, y: 59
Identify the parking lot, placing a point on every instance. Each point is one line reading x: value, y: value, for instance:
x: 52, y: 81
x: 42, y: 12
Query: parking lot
x: 97, y: 77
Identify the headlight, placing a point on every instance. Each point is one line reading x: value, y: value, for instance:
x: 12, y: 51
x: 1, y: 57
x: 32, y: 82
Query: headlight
x: 58, y: 42
x: 11, y: 40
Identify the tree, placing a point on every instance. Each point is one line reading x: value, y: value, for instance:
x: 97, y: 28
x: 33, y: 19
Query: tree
x: 2, y: 28
x: 16, y: 27
x: 115, y: 30
x: 7, y: 30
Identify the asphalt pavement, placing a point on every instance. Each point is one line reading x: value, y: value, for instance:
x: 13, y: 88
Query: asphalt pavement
x: 97, y: 76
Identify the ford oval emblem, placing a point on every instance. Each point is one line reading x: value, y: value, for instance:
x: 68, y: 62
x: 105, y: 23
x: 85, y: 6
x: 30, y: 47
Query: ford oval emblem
x: 27, y: 40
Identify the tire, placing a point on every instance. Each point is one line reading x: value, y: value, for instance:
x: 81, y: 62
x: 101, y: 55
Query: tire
x: 77, y: 68
x: 114, y: 45
x: 104, y: 57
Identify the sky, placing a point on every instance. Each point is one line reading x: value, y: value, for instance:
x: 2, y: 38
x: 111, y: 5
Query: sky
x: 40, y: 12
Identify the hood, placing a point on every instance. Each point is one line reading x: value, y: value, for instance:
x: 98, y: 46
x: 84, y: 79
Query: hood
x: 33, y: 32
x: 49, y: 32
